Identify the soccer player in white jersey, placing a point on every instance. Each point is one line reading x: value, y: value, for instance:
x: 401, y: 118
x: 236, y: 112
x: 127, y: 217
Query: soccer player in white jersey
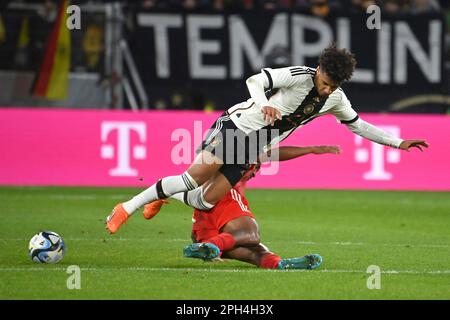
x: 302, y: 94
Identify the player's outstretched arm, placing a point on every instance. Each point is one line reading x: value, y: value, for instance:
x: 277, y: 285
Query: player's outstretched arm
x: 372, y: 133
x: 419, y: 144
x: 325, y: 149
x: 287, y: 153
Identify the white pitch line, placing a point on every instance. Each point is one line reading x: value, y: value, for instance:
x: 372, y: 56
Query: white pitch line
x: 108, y: 239
x: 346, y: 243
x: 394, y: 272
x: 343, y: 243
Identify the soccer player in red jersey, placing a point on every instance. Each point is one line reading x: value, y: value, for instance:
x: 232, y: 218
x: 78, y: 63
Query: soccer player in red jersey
x: 230, y: 230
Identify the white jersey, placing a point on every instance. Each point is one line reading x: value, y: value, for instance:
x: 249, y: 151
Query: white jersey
x: 296, y: 99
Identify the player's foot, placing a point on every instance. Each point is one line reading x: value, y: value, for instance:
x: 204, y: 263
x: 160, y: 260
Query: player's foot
x: 310, y: 261
x: 205, y: 250
x: 152, y: 209
x: 117, y: 218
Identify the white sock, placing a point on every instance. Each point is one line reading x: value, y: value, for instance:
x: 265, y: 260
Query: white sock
x: 194, y: 199
x: 179, y: 196
x: 164, y: 188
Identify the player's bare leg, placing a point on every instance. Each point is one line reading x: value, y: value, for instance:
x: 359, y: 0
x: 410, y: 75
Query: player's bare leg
x: 240, y: 240
x: 216, y: 188
x: 204, y: 167
x: 206, y: 196
x: 202, y: 198
x: 252, y: 255
x: 245, y: 231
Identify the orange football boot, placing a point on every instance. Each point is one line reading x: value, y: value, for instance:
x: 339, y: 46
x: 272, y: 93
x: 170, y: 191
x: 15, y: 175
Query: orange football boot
x: 117, y: 218
x: 152, y: 209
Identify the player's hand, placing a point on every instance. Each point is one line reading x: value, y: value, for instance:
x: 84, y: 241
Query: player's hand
x: 327, y: 149
x: 419, y: 144
x: 271, y: 114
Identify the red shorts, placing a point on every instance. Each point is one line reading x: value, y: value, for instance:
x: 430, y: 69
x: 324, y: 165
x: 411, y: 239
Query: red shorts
x: 207, y: 224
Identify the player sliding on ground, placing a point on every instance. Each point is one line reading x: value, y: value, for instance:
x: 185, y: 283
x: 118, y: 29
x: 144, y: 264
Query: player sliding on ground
x: 302, y: 95
x: 230, y: 230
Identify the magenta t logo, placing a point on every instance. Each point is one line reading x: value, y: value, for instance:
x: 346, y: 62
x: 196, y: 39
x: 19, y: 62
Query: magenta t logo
x: 123, y: 151
x: 377, y: 156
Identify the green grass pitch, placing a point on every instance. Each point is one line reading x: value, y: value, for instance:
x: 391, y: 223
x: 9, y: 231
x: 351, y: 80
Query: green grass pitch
x: 406, y: 234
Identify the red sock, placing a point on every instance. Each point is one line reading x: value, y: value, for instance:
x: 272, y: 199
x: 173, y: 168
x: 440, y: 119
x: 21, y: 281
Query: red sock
x: 223, y: 241
x: 270, y: 261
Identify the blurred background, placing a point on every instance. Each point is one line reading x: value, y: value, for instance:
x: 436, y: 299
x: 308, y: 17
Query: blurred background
x: 196, y: 54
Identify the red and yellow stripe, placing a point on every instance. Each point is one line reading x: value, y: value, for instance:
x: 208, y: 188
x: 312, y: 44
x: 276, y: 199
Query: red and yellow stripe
x: 52, y: 81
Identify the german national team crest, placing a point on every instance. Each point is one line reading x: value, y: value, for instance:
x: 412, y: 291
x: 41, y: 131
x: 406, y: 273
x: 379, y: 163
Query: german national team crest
x: 308, y: 109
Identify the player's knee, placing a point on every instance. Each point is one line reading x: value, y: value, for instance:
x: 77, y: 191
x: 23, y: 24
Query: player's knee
x: 195, y: 198
x: 213, y: 196
x: 252, y: 239
x: 255, y: 239
x: 210, y: 199
x: 202, y: 172
x: 199, y: 177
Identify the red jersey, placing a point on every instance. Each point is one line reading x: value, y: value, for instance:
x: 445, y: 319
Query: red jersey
x: 208, y: 224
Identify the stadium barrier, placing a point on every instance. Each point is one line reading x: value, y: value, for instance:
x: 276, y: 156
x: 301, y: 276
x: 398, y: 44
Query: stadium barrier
x: 118, y: 148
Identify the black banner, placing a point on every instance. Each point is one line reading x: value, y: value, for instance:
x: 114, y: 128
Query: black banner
x: 26, y: 32
x: 190, y: 59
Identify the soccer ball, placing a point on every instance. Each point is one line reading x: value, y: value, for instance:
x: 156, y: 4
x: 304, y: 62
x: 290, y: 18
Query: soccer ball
x: 46, y: 247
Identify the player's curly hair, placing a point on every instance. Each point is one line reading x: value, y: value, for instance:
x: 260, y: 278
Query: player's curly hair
x: 338, y: 64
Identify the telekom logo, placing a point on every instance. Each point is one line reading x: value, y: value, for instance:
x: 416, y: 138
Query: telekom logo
x: 122, y: 150
x: 376, y: 156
